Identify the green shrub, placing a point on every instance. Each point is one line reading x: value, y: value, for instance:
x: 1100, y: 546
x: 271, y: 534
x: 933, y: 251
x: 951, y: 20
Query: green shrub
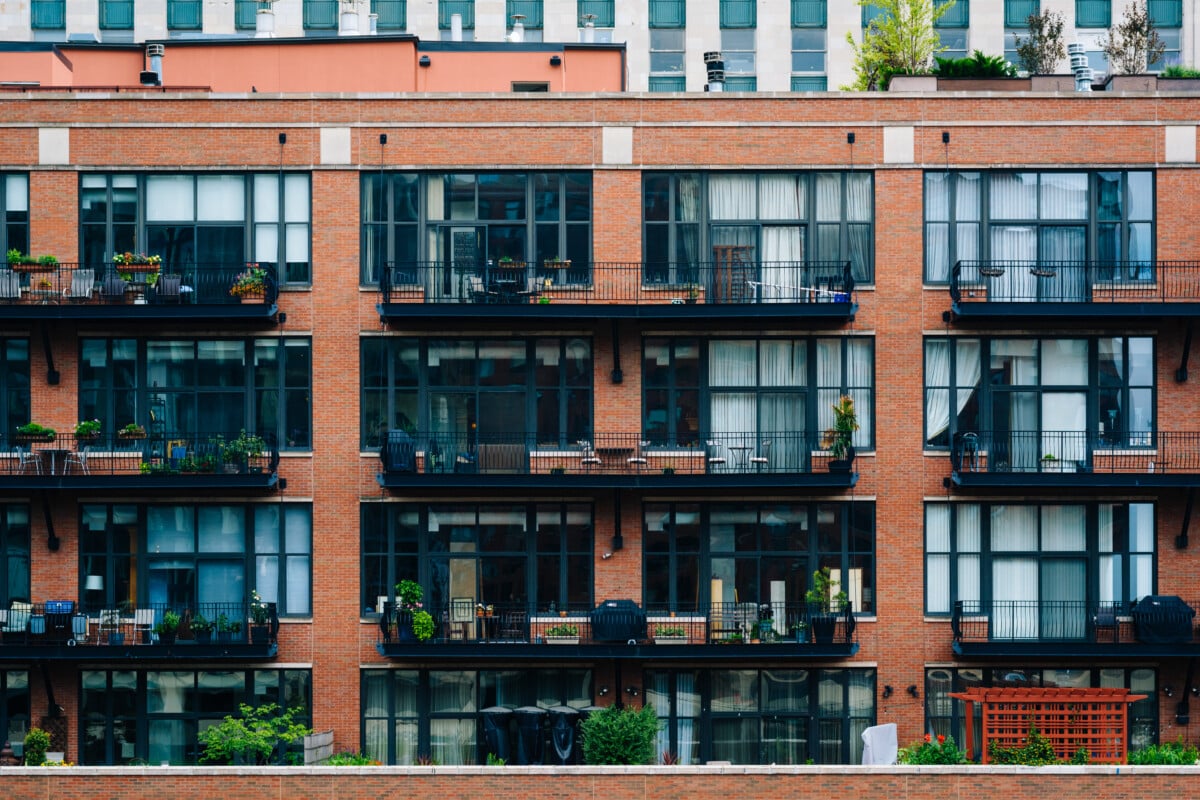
x: 253, y: 737
x: 1036, y: 752
x: 37, y: 742
x: 977, y: 65
x: 422, y: 625
x: 1175, y: 752
x: 1180, y: 71
x: 348, y: 759
x: 943, y: 751
x: 620, y: 736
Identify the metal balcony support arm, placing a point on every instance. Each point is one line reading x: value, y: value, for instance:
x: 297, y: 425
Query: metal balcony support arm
x: 1181, y: 374
x: 617, y: 376
x: 1181, y: 541
x: 52, y: 375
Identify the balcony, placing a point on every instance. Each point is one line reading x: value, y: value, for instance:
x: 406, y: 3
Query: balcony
x: 1069, y: 628
x: 59, y: 630
x: 1029, y: 290
x: 161, y: 461
x: 1069, y: 459
x: 721, y: 631
x: 767, y: 460
x: 816, y: 293
x: 110, y: 292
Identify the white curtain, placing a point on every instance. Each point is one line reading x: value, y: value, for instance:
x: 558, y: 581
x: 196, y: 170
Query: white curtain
x: 220, y: 198
x: 1017, y: 246
x: 1064, y: 580
x: 1069, y: 280
x: 1014, y: 578
x: 170, y: 198
x: 860, y: 371
x: 783, y: 264
x: 1064, y: 427
x: 937, y: 559
x: 732, y: 197
x: 1064, y: 195
x: 781, y: 197
x: 969, y: 544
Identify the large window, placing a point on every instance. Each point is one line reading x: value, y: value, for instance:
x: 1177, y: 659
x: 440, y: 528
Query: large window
x: 464, y: 392
x: 698, y: 555
x: 769, y: 716
x: 206, y: 557
x: 200, y: 386
x: 944, y: 714
x: 515, y: 557
x: 1062, y: 397
x: 393, y: 14
x: 14, y: 552
x: 459, y: 223
x: 15, y: 718
x: 154, y: 716
x: 116, y: 15
x: 320, y: 17
x: 667, y: 46
x: 193, y: 221
x: 14, y: 385
x: 48, y: 14
x: 600, y: 13
x: 184, y: 15
x: 533, y: 13
x: 14, y: 212
x: 448, y: 8
x: 808, y: 59
x: 440, y: 714
x: 737, y: 391
x: 780, y: 221
x: 1101, y: 217
x: 1038, y: 571
x: 738, y: 51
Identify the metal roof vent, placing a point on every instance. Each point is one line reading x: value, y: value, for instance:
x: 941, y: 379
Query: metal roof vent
x: 715, y: 66
x: 1079, y: 65
x: 518, y: 28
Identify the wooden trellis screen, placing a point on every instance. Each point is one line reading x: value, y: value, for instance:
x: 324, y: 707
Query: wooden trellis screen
x: 1069, y: 718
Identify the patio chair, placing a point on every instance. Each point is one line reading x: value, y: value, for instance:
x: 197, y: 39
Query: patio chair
x: 168, y: 288
x: 112, y: 290
x: 715, y: 458
x: 16, y: 620
x: 28, y: 458
x: 10, y: 286
x: 638, y: 459
x: 588, y: 457
x: 513, y: 626
x: 763, y: 459
x: 83, y: 283
x: 79, y: 459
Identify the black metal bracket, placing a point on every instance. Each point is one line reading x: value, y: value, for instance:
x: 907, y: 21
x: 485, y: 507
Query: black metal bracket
x: 1181, y: 541
x: 52, y: 540
x: 1181, y: 374
x: 617, y: 376
x: 53, y: 709
x: 947, y: 317
x: 618, y: 542
x: 1183, y: 710
x: 52, y: 376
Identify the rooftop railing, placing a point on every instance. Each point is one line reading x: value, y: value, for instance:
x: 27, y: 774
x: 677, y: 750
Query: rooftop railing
x: 1088, y: 282
x: 110, y: 454
x: 762, y: 452
x: 109, y: 284
x: 1058, y: 452
x: 611, y: 283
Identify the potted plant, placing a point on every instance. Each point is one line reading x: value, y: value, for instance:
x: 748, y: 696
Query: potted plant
x: 37, y: 742
x: 693, y: 294
x: 23, y: 262
x: 87, y: 429
x: 839, y: 439
x: 562, y: 634
x: 422, y: 625
x: 132, y: 431
x: 201, y: 629
x: 408, y: 601
x: 800, y: 630
x: 227, y: 628
x: 822, y: 599
x: 259, y: 619
x: 670, y: 634
x: 556, y: 263
x: 168, y: 629
x: 237, y: 452
x: 137, y: 262
x: 250, y: 286
x: 766, y: 622
x: 33, y: 432
x: 1133, y: 46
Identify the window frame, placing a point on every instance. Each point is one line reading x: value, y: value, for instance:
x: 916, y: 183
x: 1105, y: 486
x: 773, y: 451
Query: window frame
x: 16, y: 550
x: 15, y: 382
x: 14, y: 222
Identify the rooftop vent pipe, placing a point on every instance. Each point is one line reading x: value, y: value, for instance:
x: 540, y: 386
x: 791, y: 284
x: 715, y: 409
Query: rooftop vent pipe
x: 715, y: 65
x: 154, y: 76
x: 264, y: 22
x: 518, y: 28
x: 588, y: 31
x: 456, y: 27
x: 1079, y: 65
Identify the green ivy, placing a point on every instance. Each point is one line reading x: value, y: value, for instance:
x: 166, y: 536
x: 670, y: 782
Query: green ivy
x: 1176, y: 753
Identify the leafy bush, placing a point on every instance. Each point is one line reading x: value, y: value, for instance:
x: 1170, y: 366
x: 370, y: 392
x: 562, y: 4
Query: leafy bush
x: 253, y: 737
x: 977, y: 65
x: 1041, y: 51
x: 1133, y: 44
x: 1175, y: 752
x: 422, y: 625
x: 1036, y: 752
x: 37, y: 742
x: 620, y: 736
x: 943, y: 751
x: 348, y: 759
x: 1180, y: 71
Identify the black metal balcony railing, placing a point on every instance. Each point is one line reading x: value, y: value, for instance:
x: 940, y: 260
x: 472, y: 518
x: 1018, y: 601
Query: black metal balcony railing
x: 608, y: 283
x: 1071, y: 621
x: 1071, y: 452
x: 465, y: 623
x: 774, y: 452
x: 976, y: 284
x: 76, y: 629
x: 81, y: 288
x: 160, y: 454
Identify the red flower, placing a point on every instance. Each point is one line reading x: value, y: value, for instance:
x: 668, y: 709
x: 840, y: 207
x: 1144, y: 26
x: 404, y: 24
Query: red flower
x: 941, y: 739
x: 928, y: 738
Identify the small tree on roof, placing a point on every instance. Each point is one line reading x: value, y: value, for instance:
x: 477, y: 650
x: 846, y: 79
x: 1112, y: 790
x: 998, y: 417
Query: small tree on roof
x: 900, y: 40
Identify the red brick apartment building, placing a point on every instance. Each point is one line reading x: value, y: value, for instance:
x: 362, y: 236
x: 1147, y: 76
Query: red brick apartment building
x: 542, y: 352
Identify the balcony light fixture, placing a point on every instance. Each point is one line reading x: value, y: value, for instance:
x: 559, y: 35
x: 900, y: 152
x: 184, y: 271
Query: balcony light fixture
x: 424, y: 61
x: 887, y: 691
x: 912, y: 690
x: 555, y: 61
x: 1169, y: 690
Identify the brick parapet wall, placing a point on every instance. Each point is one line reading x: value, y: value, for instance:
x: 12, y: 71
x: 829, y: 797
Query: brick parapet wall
x: 615, y: 783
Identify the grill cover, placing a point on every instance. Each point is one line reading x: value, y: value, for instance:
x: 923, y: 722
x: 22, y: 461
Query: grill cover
x: 1163, y: 619
x: 399, y: 454
x: 618, y: 621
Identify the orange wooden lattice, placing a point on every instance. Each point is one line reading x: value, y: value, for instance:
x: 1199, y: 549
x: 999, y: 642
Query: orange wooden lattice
x: 1069, y: 718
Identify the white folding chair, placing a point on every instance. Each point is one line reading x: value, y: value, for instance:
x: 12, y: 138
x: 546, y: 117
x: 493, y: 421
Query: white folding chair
x: 28, y: 458
x: 764, y: 455
x: 79, y: 459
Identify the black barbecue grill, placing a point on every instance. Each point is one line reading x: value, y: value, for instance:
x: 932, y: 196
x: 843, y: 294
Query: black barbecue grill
x: 618, y: 621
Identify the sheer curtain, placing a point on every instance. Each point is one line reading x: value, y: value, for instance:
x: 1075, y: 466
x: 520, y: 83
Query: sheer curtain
x: 732, y: 197
x: 860, y: 372
x: 687, y: 709
x: 732, y: 363
x: 969, y: 544
x: 937, y: 226
x: 782, y: 414
x: 783, y: 264
x: 1014, y: 578
x: 1069, y: 282
x: 858, y: 217
x: 937, y: 558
